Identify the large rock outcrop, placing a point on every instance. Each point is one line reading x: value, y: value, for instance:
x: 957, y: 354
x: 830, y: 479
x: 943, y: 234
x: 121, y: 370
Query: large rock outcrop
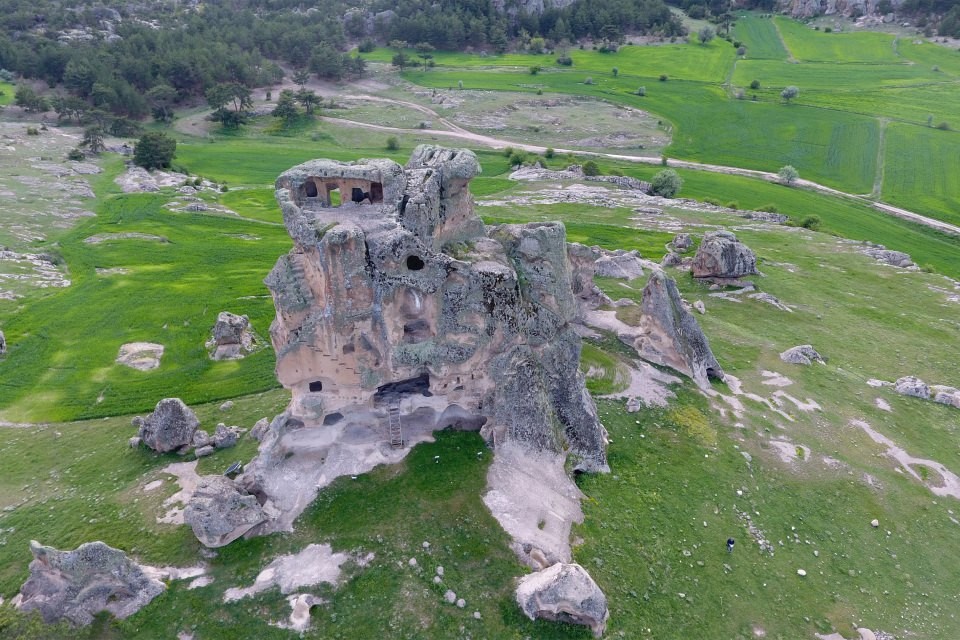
x: 76, y: 585
x: 231, y: 337
x: 399, y: 313
x: 847, y: 8
x: 170, y: 426
x: 912, y: 386
x: 219, y: 512
x: 721, y: 255
x: 564, y: 593
x: 670, y: 335
x: 801, y: 354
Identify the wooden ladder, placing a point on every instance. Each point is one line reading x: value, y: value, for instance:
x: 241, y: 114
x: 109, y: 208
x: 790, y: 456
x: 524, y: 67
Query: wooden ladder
x: 396, y: 431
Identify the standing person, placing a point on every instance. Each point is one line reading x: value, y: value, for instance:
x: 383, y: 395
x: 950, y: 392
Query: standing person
x: 730, y: 543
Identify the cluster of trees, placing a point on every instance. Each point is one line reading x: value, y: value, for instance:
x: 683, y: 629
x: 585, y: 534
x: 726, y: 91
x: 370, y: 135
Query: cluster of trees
x: 136, y: 59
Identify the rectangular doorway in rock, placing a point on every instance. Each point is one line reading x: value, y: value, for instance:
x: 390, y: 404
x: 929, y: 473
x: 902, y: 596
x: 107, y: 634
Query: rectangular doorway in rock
x: 333, y: 195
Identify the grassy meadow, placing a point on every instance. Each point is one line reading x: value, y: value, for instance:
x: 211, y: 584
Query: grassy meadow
x: 748, y: 459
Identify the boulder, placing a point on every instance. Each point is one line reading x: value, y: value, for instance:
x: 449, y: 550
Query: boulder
x: 200, y: 438
x: 671, y: 259
x: 670, y: 335
x: 3, y: 343
x: 170, y: 426
x: 892, y: 258
x: 912, y: 386
x: 801, y: 354
x: 721, y: 255
x: 259, y: 429
x: 76, y: 585
x: 564, y: 593
x: 219, y: 512
x: 204, y: 451
x: 620, y: 264
x: 225, y: 436
x: 682, y: 242
x: 231, y: 337
x: 945, y: 395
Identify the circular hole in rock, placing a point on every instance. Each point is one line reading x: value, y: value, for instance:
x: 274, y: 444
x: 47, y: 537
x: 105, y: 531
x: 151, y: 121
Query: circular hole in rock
x: 414, y: 263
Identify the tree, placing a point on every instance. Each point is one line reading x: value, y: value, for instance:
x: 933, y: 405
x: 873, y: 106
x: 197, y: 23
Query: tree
x: 666, y: 184
x: 393, y: 144
x: 706, y: 34
x: 30, y: 100
x: 286, y: 108
x: 789, y: 93
x: 326, y: 62
x: 154, y: 150
x: 161, y: 98
x: 590, y: 168
x: 425, y: 52
x: 788, y: 174
x: 755, y: 84
x: 301, y: 78
x: 93, y: 139
x: 308, y: 99
x: 230, y: 102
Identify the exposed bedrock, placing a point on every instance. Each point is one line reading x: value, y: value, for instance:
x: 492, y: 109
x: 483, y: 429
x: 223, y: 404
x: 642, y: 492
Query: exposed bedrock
x: 76, y: 585
x: 399, y: 313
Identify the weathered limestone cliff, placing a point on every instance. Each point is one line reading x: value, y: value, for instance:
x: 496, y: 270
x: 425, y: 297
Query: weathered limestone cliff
x: 399, y: 313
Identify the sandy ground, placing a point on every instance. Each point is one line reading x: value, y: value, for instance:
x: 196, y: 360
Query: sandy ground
x: 187, y: 479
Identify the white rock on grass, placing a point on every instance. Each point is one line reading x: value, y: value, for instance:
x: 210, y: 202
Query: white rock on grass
x: 801, y: 573
x: 450, y: 596
x: 801, y: 354
x: 912, y: 386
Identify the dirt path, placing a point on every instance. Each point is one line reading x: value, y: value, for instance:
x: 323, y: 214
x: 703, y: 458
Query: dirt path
x: 499, y: 143
x: 776, y: 28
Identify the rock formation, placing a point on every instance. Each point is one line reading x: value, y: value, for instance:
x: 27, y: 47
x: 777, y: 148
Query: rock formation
x: 669, y: 334
x: 682, y: 242
x: 3, y: 343
x: 721, y: 255
x: 231, y: 337
x: 76, y: 585
x: 888, y: 256
x: 912, y: 386
x: 801, y: 354
x: 220, y: 512
x: 945, y: 395
x: 399, y: 313
x: 170, y: 426
x: 620, y: 264
x: 848, y: 8
x: 565, y: 593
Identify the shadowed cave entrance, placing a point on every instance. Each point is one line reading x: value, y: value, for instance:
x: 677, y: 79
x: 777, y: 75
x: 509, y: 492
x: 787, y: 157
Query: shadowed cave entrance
x: 393, y: 390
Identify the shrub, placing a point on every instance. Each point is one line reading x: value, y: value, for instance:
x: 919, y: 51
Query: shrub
x: 393, y: 144
x: 549, y: 153
x: 460, y: 84
x: 590, y: 168
x: 539, y: 92
x: 641, y: 91
x: 507, y: 152
x: 741, y: 51
x: 616, y: 172
x: 944, y: 126
x: 154, y: 150
x: 666, y: 184
x: 224, y: 188
x: 198, y: 181
x: 828, y: 29
x: 33, y: 131
x: 517, y: 158
x: 712, y: 201
x: 565, y: 60
x: 615, y: 71
x: 811, y: 222
x: 366, y: 46
x: 535, y: 69
x: 75, y: 154
x: 663, y: 77
x: 769, y: 208
x: 733, y: 204
x: 588, y: 80
x: 755, y: 85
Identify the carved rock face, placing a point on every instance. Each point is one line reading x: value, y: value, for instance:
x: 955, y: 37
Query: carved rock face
x: 404, y: 299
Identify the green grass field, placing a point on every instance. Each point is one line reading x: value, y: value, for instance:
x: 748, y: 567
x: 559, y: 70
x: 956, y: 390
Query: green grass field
x: 922, y: 168
x: 760, y: 37
x: 6, y: 93
x: 808, y: 45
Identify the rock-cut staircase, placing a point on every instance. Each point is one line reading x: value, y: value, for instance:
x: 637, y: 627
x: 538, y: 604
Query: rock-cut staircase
x: 396, y: 430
